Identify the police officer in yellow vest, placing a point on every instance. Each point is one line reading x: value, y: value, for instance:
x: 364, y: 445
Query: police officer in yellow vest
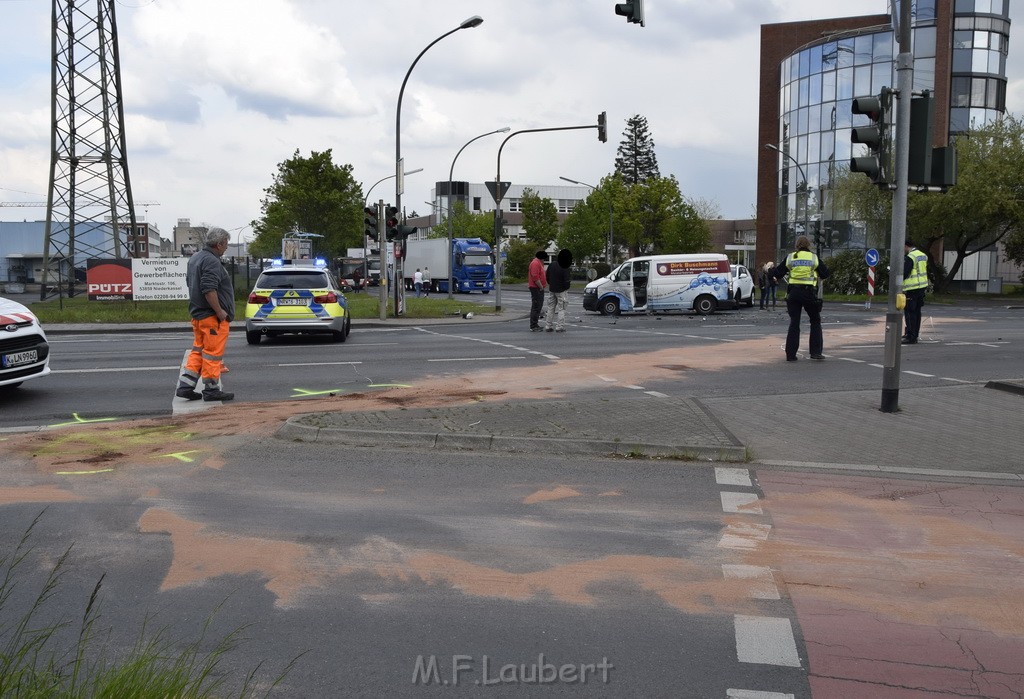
x: 804, y: 269
x: 915, y: 284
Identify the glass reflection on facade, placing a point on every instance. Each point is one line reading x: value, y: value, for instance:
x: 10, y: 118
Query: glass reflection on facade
x: 819, y: 82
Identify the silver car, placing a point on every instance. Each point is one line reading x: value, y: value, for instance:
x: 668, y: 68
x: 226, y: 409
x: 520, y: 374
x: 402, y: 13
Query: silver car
x: 743, y: 285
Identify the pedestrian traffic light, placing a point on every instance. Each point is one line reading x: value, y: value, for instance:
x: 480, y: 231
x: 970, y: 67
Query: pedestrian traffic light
x: 632, y: 11
x: 390, y: 222
x: 403, y: 232
x: 370, y: 223
x: 875, y: 136
x: 602, y: 127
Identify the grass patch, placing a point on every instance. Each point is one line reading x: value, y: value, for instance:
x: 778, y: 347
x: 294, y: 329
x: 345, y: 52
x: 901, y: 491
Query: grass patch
x: 361, y: 305
x: 35, y: 662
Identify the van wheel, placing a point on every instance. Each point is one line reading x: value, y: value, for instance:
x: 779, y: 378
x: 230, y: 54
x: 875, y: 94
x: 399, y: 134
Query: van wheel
x: 609, y: 306
x: 705, y: 305
x: 253, y: 338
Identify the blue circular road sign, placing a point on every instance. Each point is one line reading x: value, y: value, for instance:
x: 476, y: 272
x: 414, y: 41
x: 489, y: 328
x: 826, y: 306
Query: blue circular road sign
x: 871, y: 257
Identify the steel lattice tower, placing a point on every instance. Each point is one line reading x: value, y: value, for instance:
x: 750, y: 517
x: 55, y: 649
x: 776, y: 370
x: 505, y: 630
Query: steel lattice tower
x: 90, y: 196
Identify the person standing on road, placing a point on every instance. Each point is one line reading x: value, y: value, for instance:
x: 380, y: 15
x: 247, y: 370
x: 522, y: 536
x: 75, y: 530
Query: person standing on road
x: 417, y: 282
x: 768, y: 284
x: 915, y: 285
x: 804, y: 269
x: 211, y: 303
x: 425, y: 282
x: 536, y: 280
x: 558, y: 291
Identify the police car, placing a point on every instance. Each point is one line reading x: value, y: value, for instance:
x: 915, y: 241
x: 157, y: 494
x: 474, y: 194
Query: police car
x: 296, y: 297
x: 24, y: 351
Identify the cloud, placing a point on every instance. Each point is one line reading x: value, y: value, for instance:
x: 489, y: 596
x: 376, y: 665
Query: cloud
x: 262, y: 55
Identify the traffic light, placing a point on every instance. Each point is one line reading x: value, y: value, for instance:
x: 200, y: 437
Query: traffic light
x: 602, y: 127
x: 390, y: 222
x: 875, y: 136
x: 632, y: 11
x: 403, y: 232
x: 370, y: 223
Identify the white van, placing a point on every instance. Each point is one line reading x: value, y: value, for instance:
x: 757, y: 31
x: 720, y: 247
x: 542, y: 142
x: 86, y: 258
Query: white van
x: 656, y: 283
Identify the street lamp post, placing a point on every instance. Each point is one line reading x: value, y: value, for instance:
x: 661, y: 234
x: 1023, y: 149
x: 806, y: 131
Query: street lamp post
x: 807, y: 203
x: 366, y: 197
x: 609, y: 241
x: 472, y: 22
x: 451, y: 175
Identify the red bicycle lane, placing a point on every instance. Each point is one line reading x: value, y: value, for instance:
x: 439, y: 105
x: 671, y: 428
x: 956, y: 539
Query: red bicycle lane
x: 903, y: 589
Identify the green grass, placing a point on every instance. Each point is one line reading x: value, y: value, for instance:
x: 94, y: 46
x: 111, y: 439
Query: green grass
x: 36, y: 661
x: 361, y: 305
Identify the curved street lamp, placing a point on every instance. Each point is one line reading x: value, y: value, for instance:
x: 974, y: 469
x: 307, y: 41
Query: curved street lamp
x: 366, y: 198
x: 451, y: 175
x: 472, y: 22
x: 609, y: 242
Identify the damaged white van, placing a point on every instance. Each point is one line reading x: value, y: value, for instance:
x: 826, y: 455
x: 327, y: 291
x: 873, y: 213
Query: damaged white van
x: 657, y: 283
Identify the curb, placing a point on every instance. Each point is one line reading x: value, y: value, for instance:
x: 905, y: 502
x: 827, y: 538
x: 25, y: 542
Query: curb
x: 1007, y: 386
x: 294, y: 431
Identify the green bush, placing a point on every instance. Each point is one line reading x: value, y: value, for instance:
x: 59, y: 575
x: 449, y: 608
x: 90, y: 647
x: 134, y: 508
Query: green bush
x: 849, y: 274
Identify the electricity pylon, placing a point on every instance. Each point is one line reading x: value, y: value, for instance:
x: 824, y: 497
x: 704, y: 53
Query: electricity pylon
x: 89, y: 204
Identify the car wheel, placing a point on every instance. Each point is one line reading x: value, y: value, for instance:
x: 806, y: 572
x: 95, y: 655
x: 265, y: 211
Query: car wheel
x: 750, y: 300
x: 339, y: 336
x: 253, y: 338
x: 705, y: 305
x: 609, y: 306
x: 348, y: 326
x: 487, y: 291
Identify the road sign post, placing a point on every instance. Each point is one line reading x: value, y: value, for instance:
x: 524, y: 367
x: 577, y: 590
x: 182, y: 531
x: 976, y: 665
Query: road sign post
x: 871, y: 258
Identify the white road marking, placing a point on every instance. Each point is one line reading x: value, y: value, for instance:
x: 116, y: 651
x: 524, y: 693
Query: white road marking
x: 745, y: 503
x: 635, y: 388
x: 946, y: 378
x: 319, y: 363
x: 850, y: 359
x: 763, y: 586
x: 754, y: 694
x: 656, y: 394
x: 918, y: 373
x: 607, y: 378
x: 471, y: 359
x: 877, y: 366
x: 732, y: 476
x: 744, y: 536
x: 765, y: 641
x: 115, y: 370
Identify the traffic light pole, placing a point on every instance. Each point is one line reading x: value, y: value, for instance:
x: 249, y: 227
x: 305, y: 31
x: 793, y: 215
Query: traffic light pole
x: 894, y: 315
x: 382, y: 256
x: 499, y: 195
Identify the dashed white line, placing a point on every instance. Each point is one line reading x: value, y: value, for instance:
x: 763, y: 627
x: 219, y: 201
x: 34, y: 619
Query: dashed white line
x: 747, y: 503
x: 635, y: 388
x: 114, y: 370
x: 946, y: 378
x: 765, y: 641
x: 319, y: 363
x: 762, y: 581
x: 656, y: 394
x: 918, y: 373
x: 753, y: 694
x: 471, y: 359
x: 732, y: 476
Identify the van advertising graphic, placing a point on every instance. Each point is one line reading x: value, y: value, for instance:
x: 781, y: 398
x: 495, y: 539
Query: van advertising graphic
x: 670, y: 269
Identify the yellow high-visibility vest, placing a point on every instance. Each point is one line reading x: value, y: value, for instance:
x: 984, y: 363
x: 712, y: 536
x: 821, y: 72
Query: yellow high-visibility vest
x: 918, y: 278
x: 803, y: 267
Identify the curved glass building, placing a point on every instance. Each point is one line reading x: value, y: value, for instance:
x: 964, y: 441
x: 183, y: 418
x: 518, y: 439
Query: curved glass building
x: 810, y: 73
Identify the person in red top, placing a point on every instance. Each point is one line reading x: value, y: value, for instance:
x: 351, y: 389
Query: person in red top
x: 537, y: 282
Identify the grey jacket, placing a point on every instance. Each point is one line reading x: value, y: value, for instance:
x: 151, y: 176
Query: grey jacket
x: 206, y: 273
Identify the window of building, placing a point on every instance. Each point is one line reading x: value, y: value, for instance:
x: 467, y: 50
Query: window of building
x: 515, y: 205
x: 476, y: 203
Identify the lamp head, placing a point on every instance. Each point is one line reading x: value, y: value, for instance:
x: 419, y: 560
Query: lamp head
x: 504, y: 129
x: 474, y: 21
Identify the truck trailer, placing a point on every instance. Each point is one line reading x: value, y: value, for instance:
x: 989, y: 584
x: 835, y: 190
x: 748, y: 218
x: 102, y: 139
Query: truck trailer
x: 471, y: 258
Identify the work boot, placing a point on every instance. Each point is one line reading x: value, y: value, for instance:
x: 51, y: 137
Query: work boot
x: 211, y: 394
x: 188, y: 393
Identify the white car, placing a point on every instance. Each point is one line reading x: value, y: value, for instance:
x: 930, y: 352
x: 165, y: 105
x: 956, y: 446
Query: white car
x: 743, y: 285
x: 24, y: 351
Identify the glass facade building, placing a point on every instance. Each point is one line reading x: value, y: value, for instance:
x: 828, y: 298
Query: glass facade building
x: 959, y: 49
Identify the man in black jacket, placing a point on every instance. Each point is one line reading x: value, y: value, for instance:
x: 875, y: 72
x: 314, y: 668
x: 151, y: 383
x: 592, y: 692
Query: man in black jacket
x: 558, y: 291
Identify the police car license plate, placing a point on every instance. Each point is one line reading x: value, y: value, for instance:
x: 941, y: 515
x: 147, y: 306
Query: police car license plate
x: 19, y: 358
x: 293, y: 302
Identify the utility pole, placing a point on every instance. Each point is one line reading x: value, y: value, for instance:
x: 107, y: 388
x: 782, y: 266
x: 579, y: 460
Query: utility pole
x: 894, y: 314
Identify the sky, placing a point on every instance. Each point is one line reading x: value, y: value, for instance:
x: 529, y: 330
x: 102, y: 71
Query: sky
x: 217, y: 93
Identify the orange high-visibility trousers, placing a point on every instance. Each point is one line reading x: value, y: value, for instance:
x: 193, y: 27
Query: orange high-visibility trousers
x: 208, y: 345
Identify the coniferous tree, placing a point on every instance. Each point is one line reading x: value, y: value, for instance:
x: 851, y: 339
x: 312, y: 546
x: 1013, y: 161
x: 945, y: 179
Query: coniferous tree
x: 635, y: 160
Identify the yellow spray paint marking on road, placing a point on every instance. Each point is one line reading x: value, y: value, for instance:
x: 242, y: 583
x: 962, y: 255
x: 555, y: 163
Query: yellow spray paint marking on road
x: 83, y: 421
x: 303, y: 393
x: 83, y: 473
x: 180, y: 455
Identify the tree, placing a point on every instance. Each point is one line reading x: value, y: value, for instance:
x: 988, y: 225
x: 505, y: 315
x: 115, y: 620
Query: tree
x: 586, y: 228
x: 519, y: 254
x: 651, y: 217
x: 466, y: 224
x: 540, y: 218
x: 984, y: 207
x: 635, y: 160
x: 312, y: 195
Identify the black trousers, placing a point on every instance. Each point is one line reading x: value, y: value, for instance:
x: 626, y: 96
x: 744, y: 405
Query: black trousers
x: 536, y: 304
x: 800, y: 298
x: 912, y: 314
